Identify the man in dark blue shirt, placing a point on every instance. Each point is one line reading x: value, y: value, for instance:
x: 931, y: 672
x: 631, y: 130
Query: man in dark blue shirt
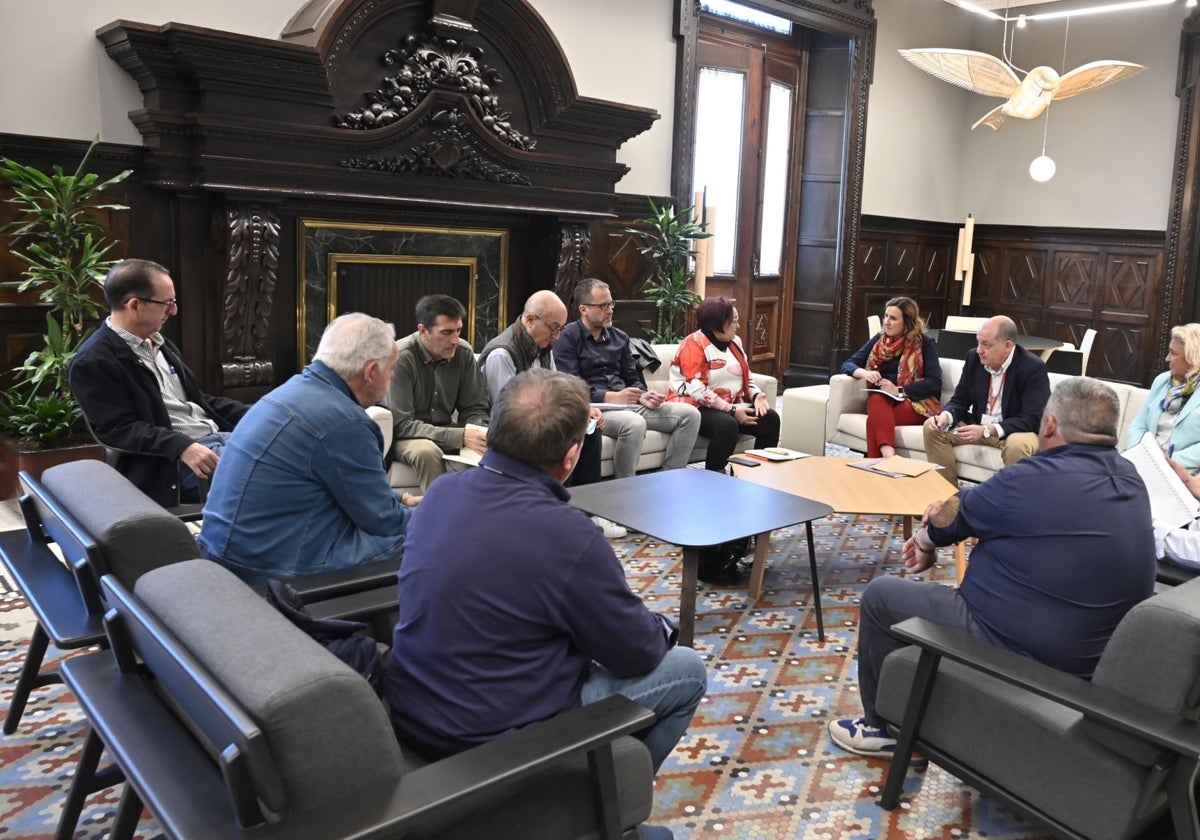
x: 1066, y: 548
x: 530, y: 615
x: 598, y: 353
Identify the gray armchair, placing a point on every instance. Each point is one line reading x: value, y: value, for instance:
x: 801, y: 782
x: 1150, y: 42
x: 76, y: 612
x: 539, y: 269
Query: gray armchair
x: 227, y: 721
x: 1102, y: 760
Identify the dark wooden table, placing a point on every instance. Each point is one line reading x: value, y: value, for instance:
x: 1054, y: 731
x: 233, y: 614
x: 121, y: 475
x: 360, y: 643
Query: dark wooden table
x: 1032, y: 343
x: 693, y: 508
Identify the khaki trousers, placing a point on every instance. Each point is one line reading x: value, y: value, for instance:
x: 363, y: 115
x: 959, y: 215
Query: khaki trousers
x: 939, y: 449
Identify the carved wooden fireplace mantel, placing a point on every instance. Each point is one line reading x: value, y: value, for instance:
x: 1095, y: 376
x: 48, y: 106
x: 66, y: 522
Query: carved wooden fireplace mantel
x: 449, y: 114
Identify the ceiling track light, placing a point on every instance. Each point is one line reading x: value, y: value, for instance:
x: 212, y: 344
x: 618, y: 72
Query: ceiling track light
x: 1021, y: 20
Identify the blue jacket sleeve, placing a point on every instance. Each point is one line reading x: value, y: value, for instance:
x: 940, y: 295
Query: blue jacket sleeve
x: 349, y: 462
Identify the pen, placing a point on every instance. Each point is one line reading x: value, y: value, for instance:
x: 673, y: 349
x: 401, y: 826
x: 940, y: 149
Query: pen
x: 1171, y: 450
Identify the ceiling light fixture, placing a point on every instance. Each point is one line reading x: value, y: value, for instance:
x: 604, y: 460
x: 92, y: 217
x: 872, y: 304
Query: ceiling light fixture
x: 979, y: 10
x: 1097, y: 10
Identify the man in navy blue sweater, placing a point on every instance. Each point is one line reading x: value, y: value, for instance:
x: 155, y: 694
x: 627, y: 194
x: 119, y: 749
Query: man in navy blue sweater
x: 530, y: 614
x: 1065, y: 549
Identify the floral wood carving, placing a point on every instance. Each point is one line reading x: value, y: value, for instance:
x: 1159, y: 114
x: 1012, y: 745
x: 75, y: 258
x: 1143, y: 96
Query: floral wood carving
x: 253, y: 235
x: 572, y: 260
x: 450, y: 153
x: 428, y: 62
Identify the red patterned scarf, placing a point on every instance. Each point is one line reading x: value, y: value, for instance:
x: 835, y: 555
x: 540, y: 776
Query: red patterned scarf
x: 912, y: 368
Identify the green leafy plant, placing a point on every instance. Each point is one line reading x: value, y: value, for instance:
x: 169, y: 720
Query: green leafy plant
x: 64, y: 249
x: 668, y: 239
x: 46, y: 419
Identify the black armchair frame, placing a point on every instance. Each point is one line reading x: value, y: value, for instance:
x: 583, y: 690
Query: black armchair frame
x: 1179, y: 737
x: 193, y: 756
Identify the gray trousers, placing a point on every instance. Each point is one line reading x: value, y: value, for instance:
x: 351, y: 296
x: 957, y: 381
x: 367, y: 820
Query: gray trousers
x: 889, y: 599
x: 628, y: 428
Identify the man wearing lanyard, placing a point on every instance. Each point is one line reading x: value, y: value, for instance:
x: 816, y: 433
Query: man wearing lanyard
x: 998, y: 401
x: 140, y: 397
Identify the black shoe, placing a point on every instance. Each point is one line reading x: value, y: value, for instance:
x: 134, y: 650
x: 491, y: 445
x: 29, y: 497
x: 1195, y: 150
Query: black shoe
x: 729, y: 576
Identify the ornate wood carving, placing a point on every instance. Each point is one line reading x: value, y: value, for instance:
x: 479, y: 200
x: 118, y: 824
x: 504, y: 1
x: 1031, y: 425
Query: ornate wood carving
x: 254, y: 116
x: 253, y: 236
x: 572, y: 261
x: 1179, y: 301
x: 429, y: 62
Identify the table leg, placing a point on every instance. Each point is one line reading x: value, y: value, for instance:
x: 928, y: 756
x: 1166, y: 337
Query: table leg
x: 687, y: 595
x: 762, y: 545
x: 906, y: 526
x: 816, y: 583
x: 960, y: 561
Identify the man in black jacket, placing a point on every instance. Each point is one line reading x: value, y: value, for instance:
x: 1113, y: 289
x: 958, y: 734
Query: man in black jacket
x: 998, y: 401
x: 140, y: 397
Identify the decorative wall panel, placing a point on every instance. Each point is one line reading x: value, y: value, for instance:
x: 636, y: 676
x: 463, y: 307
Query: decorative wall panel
x: 1053, y: 282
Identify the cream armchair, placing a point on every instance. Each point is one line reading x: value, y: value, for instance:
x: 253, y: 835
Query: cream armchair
x: 404, y: 480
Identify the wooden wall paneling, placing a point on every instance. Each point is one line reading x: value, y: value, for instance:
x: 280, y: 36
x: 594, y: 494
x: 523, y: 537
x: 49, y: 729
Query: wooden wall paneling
x: 764, y: 329
x: 1053, y: 282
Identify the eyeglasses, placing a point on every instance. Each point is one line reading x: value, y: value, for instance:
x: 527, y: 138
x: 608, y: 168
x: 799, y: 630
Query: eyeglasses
x: 169, y: 304
x: 606, y: 306
x: 555, y: 329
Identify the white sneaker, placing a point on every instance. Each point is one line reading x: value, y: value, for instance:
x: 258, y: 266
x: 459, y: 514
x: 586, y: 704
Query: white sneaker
x: 611, y: 529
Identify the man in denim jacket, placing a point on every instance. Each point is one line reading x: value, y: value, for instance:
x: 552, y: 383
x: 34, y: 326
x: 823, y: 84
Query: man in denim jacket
x: 302, y: 486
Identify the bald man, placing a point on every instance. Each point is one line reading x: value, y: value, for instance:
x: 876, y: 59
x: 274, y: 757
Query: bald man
x: 526, y: 345
x: 998, y: 401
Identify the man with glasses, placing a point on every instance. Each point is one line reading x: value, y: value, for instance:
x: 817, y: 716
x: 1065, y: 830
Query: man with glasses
x: 598, y: 353
x: 138, y: 395
x: 526, y: 345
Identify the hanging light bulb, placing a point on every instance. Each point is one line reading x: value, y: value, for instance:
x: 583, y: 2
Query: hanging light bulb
x: 1042, y: 168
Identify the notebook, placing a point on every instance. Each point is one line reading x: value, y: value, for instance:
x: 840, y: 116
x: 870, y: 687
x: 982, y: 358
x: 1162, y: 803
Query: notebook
x: 467, y: 456
x: 1171, y: 503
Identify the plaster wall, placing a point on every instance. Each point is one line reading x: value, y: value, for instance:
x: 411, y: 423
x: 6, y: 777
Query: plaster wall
x: 1114, y: 147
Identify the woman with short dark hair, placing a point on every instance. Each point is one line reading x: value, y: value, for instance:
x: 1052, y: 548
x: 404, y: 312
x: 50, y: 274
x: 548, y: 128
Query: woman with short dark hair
x: 711, y: 372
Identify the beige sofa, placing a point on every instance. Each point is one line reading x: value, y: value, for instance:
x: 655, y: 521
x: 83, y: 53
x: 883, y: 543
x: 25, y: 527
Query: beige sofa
x: 836, y: 414
x: 404, y: 480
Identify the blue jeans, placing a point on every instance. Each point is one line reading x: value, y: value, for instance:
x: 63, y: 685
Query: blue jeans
x: 189, y: 485
x: 672, y: 691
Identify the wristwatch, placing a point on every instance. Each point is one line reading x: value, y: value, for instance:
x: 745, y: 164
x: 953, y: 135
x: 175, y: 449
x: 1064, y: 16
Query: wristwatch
x: 987, y: 431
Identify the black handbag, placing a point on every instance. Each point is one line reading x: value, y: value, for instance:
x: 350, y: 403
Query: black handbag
x: 719, y: 563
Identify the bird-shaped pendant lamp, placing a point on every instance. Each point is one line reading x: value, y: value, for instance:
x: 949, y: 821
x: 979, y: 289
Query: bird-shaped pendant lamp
x: 1028, y: 97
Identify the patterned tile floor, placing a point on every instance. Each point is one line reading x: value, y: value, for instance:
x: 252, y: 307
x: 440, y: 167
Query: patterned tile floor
x: 756, y: 762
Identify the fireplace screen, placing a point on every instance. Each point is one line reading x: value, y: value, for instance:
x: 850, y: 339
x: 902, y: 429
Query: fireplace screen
x: 384, y: 269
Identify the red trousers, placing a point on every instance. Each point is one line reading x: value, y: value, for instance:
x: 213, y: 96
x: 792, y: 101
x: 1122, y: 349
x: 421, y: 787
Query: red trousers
x: 883, y: 416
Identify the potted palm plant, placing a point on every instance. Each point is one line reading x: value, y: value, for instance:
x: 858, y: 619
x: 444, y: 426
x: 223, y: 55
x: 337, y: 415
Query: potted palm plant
x: 668, y: 240
x: 59, y: 238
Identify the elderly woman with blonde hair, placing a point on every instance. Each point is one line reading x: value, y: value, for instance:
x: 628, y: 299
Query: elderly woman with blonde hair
x: 1170, y: 411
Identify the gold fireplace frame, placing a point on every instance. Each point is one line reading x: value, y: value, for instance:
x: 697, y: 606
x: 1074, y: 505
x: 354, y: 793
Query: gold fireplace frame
x: 307, y: 229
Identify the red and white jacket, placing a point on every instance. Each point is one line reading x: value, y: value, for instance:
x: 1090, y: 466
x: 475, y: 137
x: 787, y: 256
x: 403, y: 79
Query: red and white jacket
x: 704, y: 375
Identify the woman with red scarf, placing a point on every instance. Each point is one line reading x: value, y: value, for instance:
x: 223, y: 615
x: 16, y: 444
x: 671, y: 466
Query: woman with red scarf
x: 901, y: 363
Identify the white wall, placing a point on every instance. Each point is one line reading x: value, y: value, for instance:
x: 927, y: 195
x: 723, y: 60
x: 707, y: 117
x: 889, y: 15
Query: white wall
x: 78, y: 92
x: 1113, y: 147
x: 914, y: 148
